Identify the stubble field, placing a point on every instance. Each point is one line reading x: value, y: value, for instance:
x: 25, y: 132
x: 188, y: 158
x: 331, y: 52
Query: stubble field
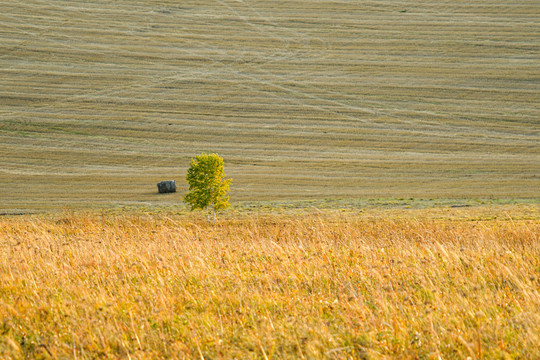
x: 99, y: 100
x: 402, y: 284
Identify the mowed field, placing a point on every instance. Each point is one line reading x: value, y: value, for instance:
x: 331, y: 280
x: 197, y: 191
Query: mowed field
x: 99, y: 100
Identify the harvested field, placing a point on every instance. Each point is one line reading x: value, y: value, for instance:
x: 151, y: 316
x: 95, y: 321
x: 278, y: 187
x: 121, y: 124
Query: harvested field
x: 303, y: 99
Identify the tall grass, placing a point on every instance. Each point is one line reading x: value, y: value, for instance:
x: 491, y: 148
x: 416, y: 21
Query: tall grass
x: 327, y: 285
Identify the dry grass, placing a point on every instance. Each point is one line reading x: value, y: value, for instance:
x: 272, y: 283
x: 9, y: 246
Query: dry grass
x: 442, y: 283
x: 99, y: 100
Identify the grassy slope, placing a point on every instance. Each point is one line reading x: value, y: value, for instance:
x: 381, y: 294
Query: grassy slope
x: 443, y: 283
x: 99, y: 100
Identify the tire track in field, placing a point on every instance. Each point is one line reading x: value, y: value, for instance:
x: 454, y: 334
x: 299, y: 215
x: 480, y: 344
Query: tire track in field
x: 137, y: 84
x: 304, y: 38
x: 93, y: 94
x: 339, y: 104
x: 302, y: 98
x: 370, y: 111
x: 285, y: 88
x: 392, y: 113
x: 160, y: 80
x: 256, y: 27
x: 109, y: 90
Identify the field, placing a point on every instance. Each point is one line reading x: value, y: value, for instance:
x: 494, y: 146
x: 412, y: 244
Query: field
x: 386, y: 165
x: 440, y: 283
x: 100, y: 100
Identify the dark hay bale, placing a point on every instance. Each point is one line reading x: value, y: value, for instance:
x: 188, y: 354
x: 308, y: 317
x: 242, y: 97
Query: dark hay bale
x: 167, y: 186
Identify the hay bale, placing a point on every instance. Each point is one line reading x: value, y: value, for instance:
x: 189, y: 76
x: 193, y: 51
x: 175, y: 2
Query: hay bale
x: 167, y: 186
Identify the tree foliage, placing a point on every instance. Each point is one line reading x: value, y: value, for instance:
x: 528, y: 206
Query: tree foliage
x: 207, y: 184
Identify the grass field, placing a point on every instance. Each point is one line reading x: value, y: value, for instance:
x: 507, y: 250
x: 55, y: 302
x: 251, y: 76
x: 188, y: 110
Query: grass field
x: 441, y: 283
x: 386, y: 166
x: 99, y: 100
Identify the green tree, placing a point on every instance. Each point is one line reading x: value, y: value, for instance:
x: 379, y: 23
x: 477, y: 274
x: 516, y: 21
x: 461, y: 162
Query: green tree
x: 207, y: 184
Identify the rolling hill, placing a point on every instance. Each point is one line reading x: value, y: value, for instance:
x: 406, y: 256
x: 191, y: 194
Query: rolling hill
x: 99, y: 100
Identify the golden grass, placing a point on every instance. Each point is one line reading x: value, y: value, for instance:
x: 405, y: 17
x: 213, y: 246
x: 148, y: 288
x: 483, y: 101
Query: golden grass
x: 439, y: 283
x: 304, y: 99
